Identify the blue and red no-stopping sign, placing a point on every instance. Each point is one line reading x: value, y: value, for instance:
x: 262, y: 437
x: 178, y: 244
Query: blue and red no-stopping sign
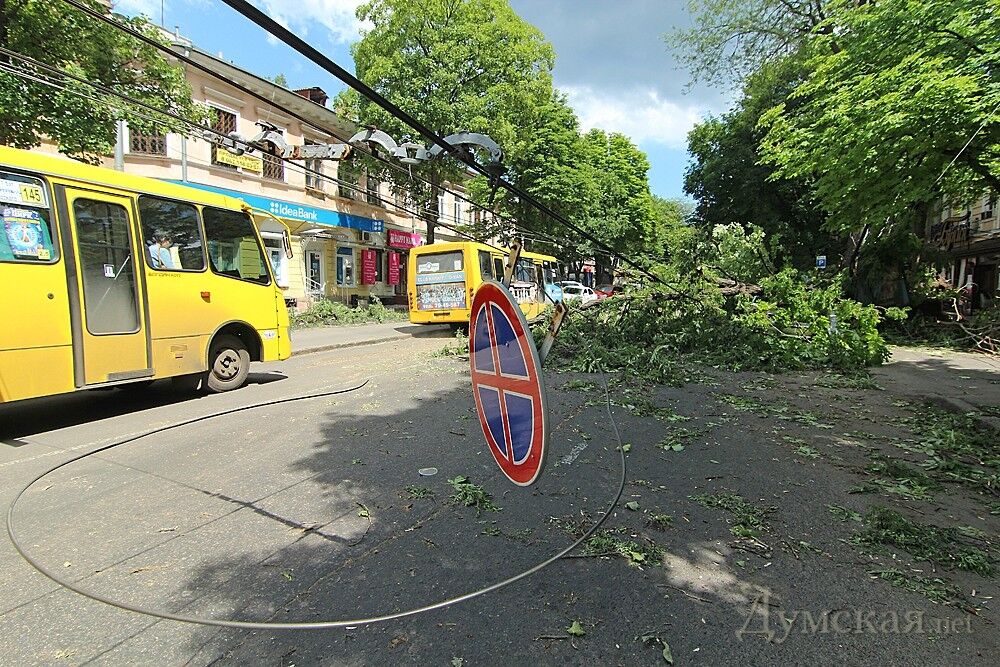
x: 507, y: 384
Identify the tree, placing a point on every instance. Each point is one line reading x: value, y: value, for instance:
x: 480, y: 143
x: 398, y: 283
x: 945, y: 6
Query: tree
x: 731, y: 185
x: 547, y: 160
x: 623, y: 214
x: 455, y: 65
x: 81, y: 120
x: 733, y: 39
x: 280, y: 80
x: 902, y: 112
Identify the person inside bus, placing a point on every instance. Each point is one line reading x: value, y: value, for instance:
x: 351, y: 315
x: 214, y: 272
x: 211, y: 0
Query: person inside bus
x: 159, y: 252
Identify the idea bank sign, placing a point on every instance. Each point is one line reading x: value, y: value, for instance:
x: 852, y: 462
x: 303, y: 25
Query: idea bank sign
x: 399, y: 239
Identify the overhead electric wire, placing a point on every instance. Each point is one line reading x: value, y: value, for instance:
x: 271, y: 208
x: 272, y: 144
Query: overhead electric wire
x: 601, y: 248
x: 105, y: 18
x: 275, y: 29
x: 58, y: 578
x: 5, y: 67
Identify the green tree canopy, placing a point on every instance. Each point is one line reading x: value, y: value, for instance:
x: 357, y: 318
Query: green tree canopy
x: 911, y: 87
x: 731, y: 185
x: 623, y: 214
x: 73, y: 115
x: 454, y: 64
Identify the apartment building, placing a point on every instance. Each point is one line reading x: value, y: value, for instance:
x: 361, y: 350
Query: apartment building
x: 970, y: 234
x: 350, y: 240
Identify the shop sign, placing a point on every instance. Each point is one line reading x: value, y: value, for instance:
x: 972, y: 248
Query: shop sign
x: 294, y: 211
x: 368, y: 260
x: 248, y: 162
x: 393, y: 268
x: 398, y: 239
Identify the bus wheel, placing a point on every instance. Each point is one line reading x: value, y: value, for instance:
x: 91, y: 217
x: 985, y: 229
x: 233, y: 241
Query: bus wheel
x: 229, y: 364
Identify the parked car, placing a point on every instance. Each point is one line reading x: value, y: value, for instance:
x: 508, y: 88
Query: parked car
x: 578, y: 292
x: 571, y: 283
x: 606, y: 290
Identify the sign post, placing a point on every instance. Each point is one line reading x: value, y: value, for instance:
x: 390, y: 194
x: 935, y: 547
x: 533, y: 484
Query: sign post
x: 507, y: 384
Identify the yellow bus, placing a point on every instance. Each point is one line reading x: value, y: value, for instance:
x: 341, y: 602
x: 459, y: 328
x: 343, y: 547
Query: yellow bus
x: 443, y: 279
x: 110, y: 279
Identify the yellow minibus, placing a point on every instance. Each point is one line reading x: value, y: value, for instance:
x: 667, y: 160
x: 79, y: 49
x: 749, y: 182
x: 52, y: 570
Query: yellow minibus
x: 111, y: 279
x: 443, y: 278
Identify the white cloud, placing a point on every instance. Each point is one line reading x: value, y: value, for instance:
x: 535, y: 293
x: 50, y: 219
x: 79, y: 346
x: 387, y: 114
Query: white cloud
x: 336, y: 16
x: 639, y: 113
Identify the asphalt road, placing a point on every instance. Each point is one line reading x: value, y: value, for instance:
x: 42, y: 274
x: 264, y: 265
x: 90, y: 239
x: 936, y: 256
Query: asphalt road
x: 301, y: 512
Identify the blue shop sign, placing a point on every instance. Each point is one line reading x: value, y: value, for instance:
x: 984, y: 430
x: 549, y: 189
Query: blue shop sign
x: 293, y: 211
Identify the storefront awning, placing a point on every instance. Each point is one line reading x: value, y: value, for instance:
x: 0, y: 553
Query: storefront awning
x: 294, y: 211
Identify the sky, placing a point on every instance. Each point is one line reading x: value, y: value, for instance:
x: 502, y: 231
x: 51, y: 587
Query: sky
x: 611, y: 60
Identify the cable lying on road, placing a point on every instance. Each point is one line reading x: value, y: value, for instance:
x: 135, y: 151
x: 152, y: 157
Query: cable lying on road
x: 316, y: 625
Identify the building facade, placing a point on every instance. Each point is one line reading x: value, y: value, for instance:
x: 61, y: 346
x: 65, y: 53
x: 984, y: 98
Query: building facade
x: 350, y: 240
x: 970, y: 235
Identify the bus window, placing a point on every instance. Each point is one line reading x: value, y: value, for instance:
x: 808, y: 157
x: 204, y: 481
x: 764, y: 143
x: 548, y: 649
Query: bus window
x: 172, y: 234
x: 498, y: 268
x: 106, y: 265
x: 25, y: 221
x: 524, y: 271
x: 549, y: 272
x: 485, y: 265
x: 232, y: 246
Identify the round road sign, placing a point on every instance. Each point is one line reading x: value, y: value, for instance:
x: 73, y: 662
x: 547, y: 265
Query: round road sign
x: 507, y: 384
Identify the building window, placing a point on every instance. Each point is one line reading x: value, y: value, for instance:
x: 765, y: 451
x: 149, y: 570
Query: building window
x: 371, y: 186
x: 348, y: 176
x: 458, y: 212
x: 314, y: 170
x: 274, y: 166
x: 147, y: 144
x: 223, y: 122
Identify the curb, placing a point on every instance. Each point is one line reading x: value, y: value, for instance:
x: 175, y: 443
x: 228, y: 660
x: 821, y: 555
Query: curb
x: 340, y: 346
x: 361, y: 343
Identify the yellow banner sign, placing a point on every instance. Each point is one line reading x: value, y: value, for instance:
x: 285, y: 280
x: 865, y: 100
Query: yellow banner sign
x: 248, y: 162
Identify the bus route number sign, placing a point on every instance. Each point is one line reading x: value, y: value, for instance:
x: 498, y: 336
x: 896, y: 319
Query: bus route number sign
x: 507, y: 384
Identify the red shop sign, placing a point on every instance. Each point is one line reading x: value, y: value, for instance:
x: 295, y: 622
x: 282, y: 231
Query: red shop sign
x: 398, y: 239
x: 393, y: 268
x: 368, y: 259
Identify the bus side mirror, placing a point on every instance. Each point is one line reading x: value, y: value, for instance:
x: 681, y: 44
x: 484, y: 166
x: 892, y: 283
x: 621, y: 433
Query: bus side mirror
x: 286, y: 241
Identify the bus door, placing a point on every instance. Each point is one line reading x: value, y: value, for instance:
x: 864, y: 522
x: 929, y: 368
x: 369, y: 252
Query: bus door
x: 107, y: 301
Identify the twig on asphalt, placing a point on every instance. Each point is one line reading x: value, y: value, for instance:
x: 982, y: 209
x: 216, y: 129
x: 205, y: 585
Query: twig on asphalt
x: 690, y: 595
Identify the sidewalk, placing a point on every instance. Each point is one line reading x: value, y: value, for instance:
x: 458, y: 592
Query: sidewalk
x: 957, y: 381
x: 319, y: 339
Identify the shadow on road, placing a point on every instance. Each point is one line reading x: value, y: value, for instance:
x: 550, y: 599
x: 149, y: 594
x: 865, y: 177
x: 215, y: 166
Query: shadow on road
x: 33, y: 416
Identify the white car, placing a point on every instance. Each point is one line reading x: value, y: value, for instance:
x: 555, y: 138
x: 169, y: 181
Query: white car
x: 578, y: 292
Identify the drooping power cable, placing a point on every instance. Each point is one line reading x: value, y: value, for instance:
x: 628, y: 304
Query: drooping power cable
x: 263, y: 625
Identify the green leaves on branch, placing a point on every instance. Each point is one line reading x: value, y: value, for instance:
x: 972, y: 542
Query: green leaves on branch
x: 787, y: 321
x: 74, y: 115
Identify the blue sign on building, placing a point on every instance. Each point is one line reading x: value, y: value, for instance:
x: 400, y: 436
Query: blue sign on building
x: 293, y: 211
